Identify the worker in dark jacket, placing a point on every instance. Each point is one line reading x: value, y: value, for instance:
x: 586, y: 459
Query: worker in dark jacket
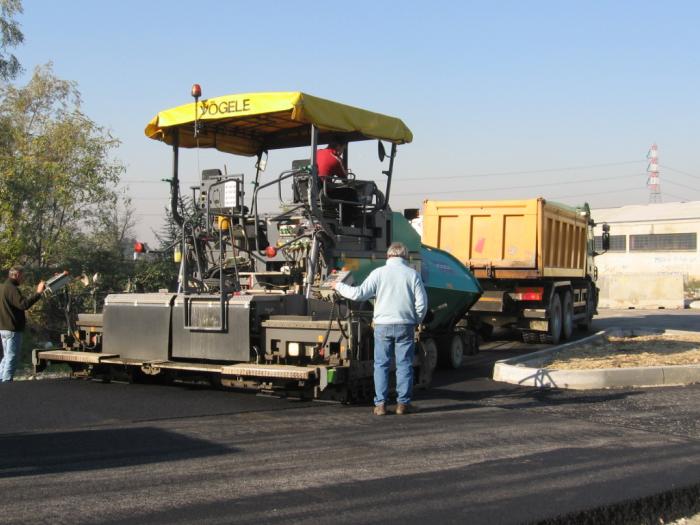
x: 13, y: 320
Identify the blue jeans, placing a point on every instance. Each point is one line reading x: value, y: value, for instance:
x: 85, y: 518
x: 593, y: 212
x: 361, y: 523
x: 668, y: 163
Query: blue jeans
x: 393, y: 340
x: 11, y: 345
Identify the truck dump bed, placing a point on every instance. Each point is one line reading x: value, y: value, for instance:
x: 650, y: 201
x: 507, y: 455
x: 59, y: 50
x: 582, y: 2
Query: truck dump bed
x: 519, y: 239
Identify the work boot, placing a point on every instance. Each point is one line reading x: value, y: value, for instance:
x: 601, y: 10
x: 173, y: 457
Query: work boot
x: 380, y: 410
x: 406, y: 408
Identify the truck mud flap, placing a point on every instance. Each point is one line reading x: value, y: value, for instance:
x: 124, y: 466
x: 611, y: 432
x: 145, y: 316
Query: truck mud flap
x: 490, y: 301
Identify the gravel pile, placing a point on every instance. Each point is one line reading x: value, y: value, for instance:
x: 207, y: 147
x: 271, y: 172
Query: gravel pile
x: 623, y: 352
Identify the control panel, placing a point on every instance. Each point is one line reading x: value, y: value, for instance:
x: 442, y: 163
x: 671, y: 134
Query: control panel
x: 57, y: 282
x: 221, y: 193
x: 325, y: 289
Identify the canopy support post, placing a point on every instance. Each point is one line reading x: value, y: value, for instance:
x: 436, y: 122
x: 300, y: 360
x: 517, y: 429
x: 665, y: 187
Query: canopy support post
x: 175, y: 181
x: 389, y: 173
x: 313, y: 183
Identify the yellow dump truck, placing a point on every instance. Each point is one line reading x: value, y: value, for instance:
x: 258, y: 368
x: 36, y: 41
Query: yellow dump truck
x: 533, y: 258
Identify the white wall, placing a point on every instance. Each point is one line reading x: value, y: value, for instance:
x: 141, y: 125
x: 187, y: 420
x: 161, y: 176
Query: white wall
x: 650, y: 219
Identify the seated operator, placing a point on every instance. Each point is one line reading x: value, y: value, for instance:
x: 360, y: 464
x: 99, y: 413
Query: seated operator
x: 330, y: 160
x: 330, y: 164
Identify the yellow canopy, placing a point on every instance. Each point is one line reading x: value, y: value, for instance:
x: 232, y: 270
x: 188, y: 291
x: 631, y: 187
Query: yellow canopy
x: 248, y: 123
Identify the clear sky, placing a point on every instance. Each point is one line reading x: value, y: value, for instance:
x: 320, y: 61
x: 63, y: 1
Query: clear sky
x: 505, y: 99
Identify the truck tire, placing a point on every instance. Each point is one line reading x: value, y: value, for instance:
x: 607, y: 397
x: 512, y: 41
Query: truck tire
x: 531, y: 338
x: 567, y: 316
x: 451, y: 351
x: 553, y: 335
x: 471, y: 342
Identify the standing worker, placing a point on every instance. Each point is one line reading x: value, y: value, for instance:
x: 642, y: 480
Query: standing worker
x: 401, y: 303
x: 13, y: 320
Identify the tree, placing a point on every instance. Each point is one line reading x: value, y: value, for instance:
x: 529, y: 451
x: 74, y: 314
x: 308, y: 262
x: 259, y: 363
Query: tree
x: 59, y: 204
x: 57, y: 179
x: 160, y: 271
x: 10, y: 36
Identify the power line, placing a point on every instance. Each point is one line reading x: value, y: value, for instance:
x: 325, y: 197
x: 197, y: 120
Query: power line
x: 471, y: 190
x: 635, y: 188
x: 606, y: 192
x: 135, y: 181
x: 467, y: 176
x: 681, y: 185
x: 163, y: 198
x: 682, y: 199
x: 501, y: 188
x: 527, y: 172
x: 664, y: 166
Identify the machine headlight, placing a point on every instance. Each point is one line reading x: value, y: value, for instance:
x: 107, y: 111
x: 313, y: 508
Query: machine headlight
x: 293, y: 349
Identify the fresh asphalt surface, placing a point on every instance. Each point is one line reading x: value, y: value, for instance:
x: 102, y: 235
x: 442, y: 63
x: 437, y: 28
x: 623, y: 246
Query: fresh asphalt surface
x: 74, y: 451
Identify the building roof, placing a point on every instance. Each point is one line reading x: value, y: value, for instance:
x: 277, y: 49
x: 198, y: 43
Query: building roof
x: 667, y: 211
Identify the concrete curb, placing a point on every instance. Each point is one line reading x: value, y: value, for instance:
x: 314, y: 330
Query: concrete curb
x: 528, y: 370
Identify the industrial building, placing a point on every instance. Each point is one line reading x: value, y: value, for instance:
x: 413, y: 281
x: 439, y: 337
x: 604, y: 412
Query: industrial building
x: 653, y: 254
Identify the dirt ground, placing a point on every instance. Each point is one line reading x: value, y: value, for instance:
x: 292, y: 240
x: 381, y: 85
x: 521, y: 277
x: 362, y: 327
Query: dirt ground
x: 693, y: 520
x: 624, y: 352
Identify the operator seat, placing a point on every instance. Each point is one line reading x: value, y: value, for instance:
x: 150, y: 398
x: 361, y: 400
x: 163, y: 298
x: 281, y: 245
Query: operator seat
x: 360, y: 197
x: 335, y: 189
x: 369, y: 194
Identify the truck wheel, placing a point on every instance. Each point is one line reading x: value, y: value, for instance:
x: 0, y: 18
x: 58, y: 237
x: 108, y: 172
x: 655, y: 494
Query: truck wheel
x: 471, y: 342
x: 586, y: 323
x: 531, y: 338
x: 567, y: 316
x: 451, y: 352
x: 553, y: 335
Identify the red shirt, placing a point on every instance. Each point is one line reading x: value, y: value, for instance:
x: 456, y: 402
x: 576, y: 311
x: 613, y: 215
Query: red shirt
x: 329, y: 163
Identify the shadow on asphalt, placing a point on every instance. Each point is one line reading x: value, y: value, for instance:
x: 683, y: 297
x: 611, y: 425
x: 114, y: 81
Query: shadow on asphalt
x: 509, y: 490
x: 31, y: 454
x: 517, y: 398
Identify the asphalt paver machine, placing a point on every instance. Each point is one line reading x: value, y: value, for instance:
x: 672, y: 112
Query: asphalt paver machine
x: 255, y: 306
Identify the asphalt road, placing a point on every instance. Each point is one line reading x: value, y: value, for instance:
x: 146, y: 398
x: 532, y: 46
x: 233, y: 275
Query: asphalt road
x: 75, y: 451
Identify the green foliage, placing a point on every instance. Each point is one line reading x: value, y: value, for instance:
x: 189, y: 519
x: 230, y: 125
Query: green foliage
x: 159, y: 271
x: 56, y: 176
x: 10, y: 36
x: 59, y: 204
x: 155, y: 275
x: 60, y: 208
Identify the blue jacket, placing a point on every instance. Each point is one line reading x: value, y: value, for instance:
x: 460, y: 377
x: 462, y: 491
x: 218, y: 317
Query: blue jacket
x: 399, y: 291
